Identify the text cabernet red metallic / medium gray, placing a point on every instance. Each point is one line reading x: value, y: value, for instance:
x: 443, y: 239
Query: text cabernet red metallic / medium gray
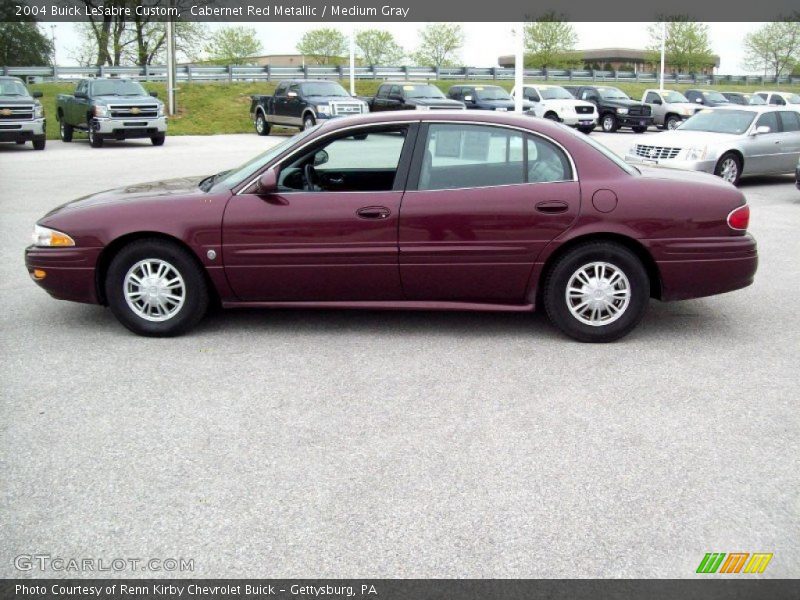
x: 436, y: 210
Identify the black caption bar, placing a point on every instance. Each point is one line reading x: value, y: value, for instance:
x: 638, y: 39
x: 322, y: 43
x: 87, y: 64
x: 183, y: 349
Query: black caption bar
x: 399, y: 589
x: 398, y: 10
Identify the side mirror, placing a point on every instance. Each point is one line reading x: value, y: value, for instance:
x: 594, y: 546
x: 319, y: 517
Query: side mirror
x: 657, y: 101
x: 292, y: 94
x: 762, y: 129
x: 37, y: 94
x: 469, y: 99
x: 154, y: 94
x: 268, y: 182
x: 320, y: 158
x: 698, y: 100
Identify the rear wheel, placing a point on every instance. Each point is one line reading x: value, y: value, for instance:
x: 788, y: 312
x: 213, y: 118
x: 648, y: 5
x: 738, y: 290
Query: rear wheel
x: 39, y: 143
x: 597, y: 292
x: 609, y: 123
x: 65, y: 131
x: 308, y: 121
x: 729, y: 168
x: 95, y: 139
x: 262, y: 127
x: 158, y: 140
x: 156, y: 288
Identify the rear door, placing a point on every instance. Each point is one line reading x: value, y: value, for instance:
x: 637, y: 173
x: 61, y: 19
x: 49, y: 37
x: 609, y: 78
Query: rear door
x: 790, y: 139
x: 481, y: 204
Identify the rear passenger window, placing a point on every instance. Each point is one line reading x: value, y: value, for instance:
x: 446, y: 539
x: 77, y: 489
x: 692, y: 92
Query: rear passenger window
x: 790, y: 120
x: 769, y: 119
x: 469, y: 156
x: 777, y: 100
x: 383, y: 91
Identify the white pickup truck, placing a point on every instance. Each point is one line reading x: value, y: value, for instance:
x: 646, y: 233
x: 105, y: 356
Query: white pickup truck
x: 555, y: 103
x: 668, y: 107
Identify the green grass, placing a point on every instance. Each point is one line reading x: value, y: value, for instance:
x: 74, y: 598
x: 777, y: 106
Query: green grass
x: 215, y: 108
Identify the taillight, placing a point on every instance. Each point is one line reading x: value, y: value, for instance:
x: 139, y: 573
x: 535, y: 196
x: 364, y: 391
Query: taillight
x: 739, y: 218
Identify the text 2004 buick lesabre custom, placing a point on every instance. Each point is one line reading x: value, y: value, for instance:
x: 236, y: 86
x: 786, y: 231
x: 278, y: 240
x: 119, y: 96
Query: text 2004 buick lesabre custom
x: 406, y: 210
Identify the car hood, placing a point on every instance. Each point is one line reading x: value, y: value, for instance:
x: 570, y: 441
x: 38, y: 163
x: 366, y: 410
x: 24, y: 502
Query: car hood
x: 124, y: 99
x: 435, y: 102
x: 152, y: 191
x: 326, y: 99
x: 684, y: 139
x: 17, y: 100
x: 622, y: 103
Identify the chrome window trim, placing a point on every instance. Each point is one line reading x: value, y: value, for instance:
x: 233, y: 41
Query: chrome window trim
x: 291, y: 152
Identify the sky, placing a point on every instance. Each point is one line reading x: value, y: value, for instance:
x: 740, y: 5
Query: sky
x: 484, y: 42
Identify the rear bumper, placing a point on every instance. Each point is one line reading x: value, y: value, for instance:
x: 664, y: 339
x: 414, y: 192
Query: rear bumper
x: 69, y: 272
x: 693, y: 268
x: 22, y: 130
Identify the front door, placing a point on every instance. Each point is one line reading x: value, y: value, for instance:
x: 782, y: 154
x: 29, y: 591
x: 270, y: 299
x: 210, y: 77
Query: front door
x: 330, y: 231
x: 482, y: 203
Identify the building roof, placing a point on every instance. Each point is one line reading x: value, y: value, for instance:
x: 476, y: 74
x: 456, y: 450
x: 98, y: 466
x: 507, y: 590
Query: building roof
x: 608, y: 55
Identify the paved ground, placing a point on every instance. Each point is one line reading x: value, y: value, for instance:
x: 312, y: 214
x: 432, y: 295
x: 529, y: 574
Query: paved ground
x: 342, y: 444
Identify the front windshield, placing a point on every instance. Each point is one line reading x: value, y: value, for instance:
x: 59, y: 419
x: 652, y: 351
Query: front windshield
x: 492, y: 93
x: 117, y: 87
x: 422, y: 91
x: 674, y: 97
x: 735, y: 122
x: 610, y: 93
x: 324, y: 88
x: 12, y: 88
x: 714, y: 97
x: 233, y: 177
x: 555, y: 93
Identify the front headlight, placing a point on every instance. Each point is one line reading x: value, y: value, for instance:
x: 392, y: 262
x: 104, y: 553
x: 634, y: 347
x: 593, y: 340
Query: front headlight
x: 50, y: 238
x: 161, y: 112
x: 100, y: 110
x: 622, y: 111
x: 38, y: 111
x: 324, y: 109
x: 696, y: 153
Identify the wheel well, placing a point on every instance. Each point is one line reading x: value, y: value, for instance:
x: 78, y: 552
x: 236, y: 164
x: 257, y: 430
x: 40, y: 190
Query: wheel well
x: 670, y: 114
x: 551, y: 112
x: 738, y: 154
x: 631, y: 244
x: 307, y: 112
x: 111, y: 250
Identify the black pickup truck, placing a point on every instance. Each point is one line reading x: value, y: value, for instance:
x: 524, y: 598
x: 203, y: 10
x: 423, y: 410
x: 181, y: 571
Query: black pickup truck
x: 614, y: 107
x: 485, y: 97
x: 410, y: 95
x: 301, y: 103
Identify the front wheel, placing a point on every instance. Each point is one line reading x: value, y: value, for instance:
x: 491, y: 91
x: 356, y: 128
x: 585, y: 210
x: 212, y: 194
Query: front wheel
x: 586, y: 130
x: 95, y: 139
x: 729, y: 168
x: 597, y: 292
x: 308, y: 121
x: 551, y: 116
x: 65, y: 131
x: 672, y: 123
x: 158, y: 140
x: 39, y: 143
x: 609, y: 123
x: 156, y: 288
x: 262, y: 127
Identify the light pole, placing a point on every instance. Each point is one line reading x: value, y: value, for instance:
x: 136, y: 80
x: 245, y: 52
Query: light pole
x: 352, y: 60
x: 171, y: 67
x: 663, y: 53
x: 53, y: 36
x: 519, y: 67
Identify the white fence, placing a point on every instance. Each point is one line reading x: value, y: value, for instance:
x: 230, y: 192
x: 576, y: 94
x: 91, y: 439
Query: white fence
x: 268, y: 73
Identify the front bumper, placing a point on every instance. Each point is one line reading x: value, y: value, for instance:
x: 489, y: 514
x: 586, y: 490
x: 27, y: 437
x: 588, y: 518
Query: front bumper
x: 706, y: 166
x: 634, y: 121
x: 697, y: 267
x: 69, y: 272
x: 13, y: 131
x: 576, y: 120
x: 129, y: 128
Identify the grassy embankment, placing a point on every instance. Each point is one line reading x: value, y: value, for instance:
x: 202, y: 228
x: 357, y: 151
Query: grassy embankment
x: 214, y: 108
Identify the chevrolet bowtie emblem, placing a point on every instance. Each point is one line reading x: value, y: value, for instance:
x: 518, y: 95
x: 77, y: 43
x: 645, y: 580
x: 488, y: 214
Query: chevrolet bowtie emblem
x: 135, y: 110
x: 5, y: 112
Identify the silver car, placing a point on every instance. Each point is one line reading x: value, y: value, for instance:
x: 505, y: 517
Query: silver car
x: 730, y: 142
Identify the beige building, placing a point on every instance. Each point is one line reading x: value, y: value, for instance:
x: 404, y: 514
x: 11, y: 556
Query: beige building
x: 620, y: 59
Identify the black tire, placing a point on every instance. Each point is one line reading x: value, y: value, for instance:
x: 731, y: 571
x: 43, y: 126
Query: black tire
x: 729, y: 160
x: 195, y: 290
x: 261, y: 125
x: 609, y: 122
x: 551, y: 116
x: 158, y: 140
x: 308, y: 121
x: 39, y: 143
x: 567, y: 266
x: 95, y: 139
x: 65, y: 131
x: 672, y: 122
x: 639, y: 129
x: 586, y: 130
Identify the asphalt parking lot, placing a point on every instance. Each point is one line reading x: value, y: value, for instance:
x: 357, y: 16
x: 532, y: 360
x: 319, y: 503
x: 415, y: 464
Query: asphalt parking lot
x: 355, y: 444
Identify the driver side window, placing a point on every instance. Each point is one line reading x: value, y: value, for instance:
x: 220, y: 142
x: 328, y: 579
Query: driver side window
x: 361, y: 162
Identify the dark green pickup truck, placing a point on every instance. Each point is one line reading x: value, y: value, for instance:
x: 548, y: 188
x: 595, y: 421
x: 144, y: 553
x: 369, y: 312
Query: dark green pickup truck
x: 116, y: 109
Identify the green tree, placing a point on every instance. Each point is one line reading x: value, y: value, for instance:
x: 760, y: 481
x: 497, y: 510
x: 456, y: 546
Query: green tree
x: 24, y: 44
x: 378, y: 47
x: 233, y: 45
x: 439, y: 45
x: 773, y: 48
x: 687, y: 47
x: 325, y: 46
x: 550, y: 43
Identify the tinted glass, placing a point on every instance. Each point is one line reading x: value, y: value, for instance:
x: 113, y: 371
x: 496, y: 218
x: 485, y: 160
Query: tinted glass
x: 555, y: 93
x: 491, y: 93
x: 465, y: 156
x: 422, y: 91
x: 777, y: 100
x: 546, y: 162
x: 324, y: 88
x: 769, y: 119
x: 790, y: 120
x: 611, y: 93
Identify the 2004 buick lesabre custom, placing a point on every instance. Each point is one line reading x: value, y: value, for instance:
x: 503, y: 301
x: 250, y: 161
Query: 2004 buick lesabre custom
x: 445, y: 210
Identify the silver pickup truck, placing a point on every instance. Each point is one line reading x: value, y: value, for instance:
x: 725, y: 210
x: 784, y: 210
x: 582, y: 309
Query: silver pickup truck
x: 669, y: 108
x: 111, y: 109
x: 21, y: 114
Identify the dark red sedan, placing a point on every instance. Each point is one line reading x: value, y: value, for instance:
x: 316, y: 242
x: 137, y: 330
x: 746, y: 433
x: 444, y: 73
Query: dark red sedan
x: 410, y: 210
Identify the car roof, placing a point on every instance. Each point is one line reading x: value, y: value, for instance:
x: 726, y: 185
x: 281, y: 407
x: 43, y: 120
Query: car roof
x: 409, y: 82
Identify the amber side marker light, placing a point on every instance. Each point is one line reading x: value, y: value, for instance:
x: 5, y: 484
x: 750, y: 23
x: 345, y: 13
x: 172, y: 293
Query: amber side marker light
x: 38, y: 274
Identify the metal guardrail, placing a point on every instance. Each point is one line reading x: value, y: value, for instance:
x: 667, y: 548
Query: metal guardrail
x: 190, y: 73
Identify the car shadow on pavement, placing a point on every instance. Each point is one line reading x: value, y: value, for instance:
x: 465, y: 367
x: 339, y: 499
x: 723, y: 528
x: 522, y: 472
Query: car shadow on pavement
x: 765, y: 180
